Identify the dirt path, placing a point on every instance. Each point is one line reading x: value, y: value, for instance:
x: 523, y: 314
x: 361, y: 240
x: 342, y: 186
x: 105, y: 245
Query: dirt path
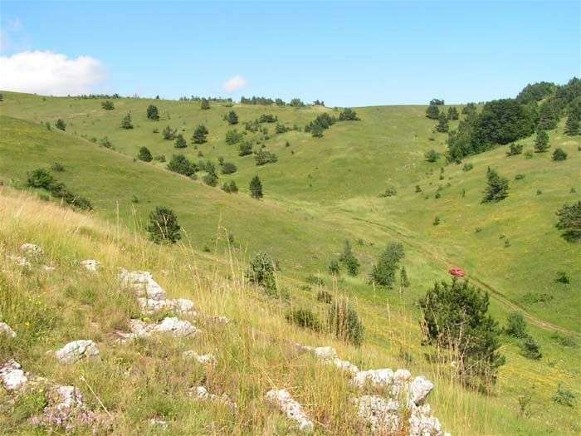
x: 494, y: 293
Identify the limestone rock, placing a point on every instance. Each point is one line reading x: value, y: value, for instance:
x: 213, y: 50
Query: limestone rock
x: 422, y: 423
x: 419, y: 390
x: 30, y: 249
x: 12, y: 375
x: 20, y: 261
x: 174, y: 326
x: 203, y: 359
x: 345, y: 365
x: 77, y: 350
x: 382, y: 415
x: 325, y: 353
x: 201, y: 393
x: 91, y: 265
x: 142, y: 283
x: 377, y: 377
x: 6, y: 330
x: 293, y: 410
x: 181, y: 306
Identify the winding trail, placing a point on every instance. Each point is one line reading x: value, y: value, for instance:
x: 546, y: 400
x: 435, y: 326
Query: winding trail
x: 495, y: 294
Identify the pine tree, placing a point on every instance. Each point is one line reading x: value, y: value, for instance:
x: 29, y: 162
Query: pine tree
x: 572, y: 125
x: 60, y: 124
x: 433, y: 112
x: 497, y: 188
x: 349, y: 260
x: 442, y: 125
x: 152, y: 113
x: 163, y: 226
x: 453, y: 113
x: 180, y: 141
x: 200, y: 133
x: 256, y: 188
x: 205, y: 105
x: 542, y: 141
x: 126, y: 122
x: 232, y: 118
x: 405, y: 282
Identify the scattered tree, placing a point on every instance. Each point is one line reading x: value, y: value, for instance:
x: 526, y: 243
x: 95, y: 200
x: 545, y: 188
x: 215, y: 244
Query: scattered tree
x: 232, y: 118
x: 348, y: 114
x: 108, y: 105
x: 453, y: 113
x: 263, y: 157
x: 233, y: 137
x: 559, y: 154
x: 244, y: 149
x: 530, y: 348
x: 455, y: 318
x: 168, y: 133
x: 514, y: 149
x: 181, y: 165
x: 256, y: 188
x: 40, y: 178
x: 205, y: 104
x: 573, y: 124
x: 344, y: 322
x: 152, y: 113
x: 200, y: 134
x: 126, y: 122
x: 497, y: 188
x: 144, y: 155
x: 334, y: 268
x: 516, y: 326
x: 349, y: 260
x: 542, y: 141
x: 228, y: 168
x: 433, y: 112
x: 261, y: 271
x: 432, y: 155
x: 163, y: 226
x: 180, y: 141
x: 404, y: 280
x: 384, y: 271
x: 570, y: 221
x: 442, y: 125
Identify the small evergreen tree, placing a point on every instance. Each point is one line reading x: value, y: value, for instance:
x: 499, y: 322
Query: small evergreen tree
x: 200, y: 134
x: 570, y: 221
x: 559, y: 154
x: 168, y: 133
x: 211, y: 178
x: 433, y: 112
x: 497, y: 188
x: 244, y: 149
x: 573, y: 125
x: 60, y: 124
x: 163, y: 226
x: 317, y: 131
x: 144, y: 155
x: 542, y: 141
x: 455, y: 318
x: 232, y: 118
x: 432, y: 155
x: 256, y: 188
x: 261, y: 271
x: 349, y: 260
x: 181, y: 165
x: 384, y: 271
x: 152, y: 113
x: 514, y: 149
x: 40, y: 178
x: 233, y: 137
x: 126, y: 122
x: 453, y: 113
x: 334, y: 268
x: 348, y: 114
x: 530, y: 348
x: 108, y: 105
x: 205, y: 104
x: 404, y: 280
x: 180, y: 141
x: 442, y: 125
x: 516, y: 326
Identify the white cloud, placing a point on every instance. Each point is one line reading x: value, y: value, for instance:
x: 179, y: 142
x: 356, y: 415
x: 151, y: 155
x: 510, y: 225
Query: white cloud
x: 234, y: 84
x: 45, y: 72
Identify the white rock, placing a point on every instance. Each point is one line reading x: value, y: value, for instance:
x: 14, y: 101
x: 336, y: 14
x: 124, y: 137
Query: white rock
x: 325, y: 353
x: 345, y: 365
x: 422, y: 423
x: 176, y: 327
x: 70, y: 397
x: 220, y: 319
x: 142, y: 283
x: 29, y: 248
x: 377, y: 377
x: 48, y: 268
x: 383, y: 415
x: 91, y: 265
x: 201, y: 393
x: 158, y: 423
x: 419, y: 389
x: 293, y: 410
x: 181, y: 306
x: 12, y: 375
x: 6, y: 330
x: 204, y: 359
x: 77, y: 350
x: 20, y: 261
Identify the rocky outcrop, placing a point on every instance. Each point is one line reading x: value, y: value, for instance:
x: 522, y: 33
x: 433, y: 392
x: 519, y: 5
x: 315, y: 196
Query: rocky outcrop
x: 91, y: 265
x: 30, y: 249
x: 174, y: 326
x: 293, y: 410
x: 77, y: 350
x: 200, y: 393
x: 203, y: 359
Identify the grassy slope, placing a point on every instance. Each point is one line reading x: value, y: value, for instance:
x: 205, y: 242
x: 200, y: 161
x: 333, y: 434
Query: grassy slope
x: 319, y: 195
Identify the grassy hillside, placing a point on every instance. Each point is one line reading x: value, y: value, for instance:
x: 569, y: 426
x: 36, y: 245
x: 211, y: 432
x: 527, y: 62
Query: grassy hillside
x: 323, y: 191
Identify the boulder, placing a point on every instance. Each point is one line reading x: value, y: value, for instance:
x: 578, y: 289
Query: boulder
x: 6, y: 330
x: 174, y: 326
x: 422, y: 423
x: 30, y: 249
x: 381, y: 414
x: 293, y: 410
x: 201, y: 393
x: 376, y: 377
x: 142, y: 283
x: 12, y: 375
x: 419, y: 390
x: 77, y: 350
x: 203, y: 359
x: 91, y: 265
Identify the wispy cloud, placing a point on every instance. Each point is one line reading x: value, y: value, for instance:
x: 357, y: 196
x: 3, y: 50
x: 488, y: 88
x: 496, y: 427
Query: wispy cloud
x: 234, y: 84
x: 45, y: 72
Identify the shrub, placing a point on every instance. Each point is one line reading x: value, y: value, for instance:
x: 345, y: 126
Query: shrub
x: 256, y: 188
x: 348, y: 114
x: 314, y: 280
x: 244, y: 149
x: 305, y: 318
x: 263, y: 157
x: 40, y: 178
x: 60, y: 124
x: 180, y: 141
x: 108, y: 105
x: 267, y: 118
x: 163, y: 226
x: 261, y: 271
x: 456, y: 319
x: 514, y: 149
x: 562, y: 277
x: 58, y: 167
x: 516, y: 326
x: 468, y: 166
x: 126, y: 122
x: 570, y: 221
x: 432, y: 155
x: 334, y: 268
x: 233, y: 137
x: 228, y: 168
x: 436, y: 221
x: 564, y: 397
x: 160, y: 158
x: 181, y: 165
x: 497, y: 188
x: 200, y: 134
x: 232, y: 118
x: 144, y: 155
x: 384, y: 271
x: 349, y: 260
x: 168, y: 133
x: 105, y: 142
x: 230, y: 187
x: 565, y: 341
x: 344, y: 323
x: 559, y: 154
x: 519, y: 177
x: 152, y: 113
x: 391, y: 191
x: 530, y: 348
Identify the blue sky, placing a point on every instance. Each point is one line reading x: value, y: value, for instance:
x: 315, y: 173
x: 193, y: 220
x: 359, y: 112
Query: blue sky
x: 345, y: 53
